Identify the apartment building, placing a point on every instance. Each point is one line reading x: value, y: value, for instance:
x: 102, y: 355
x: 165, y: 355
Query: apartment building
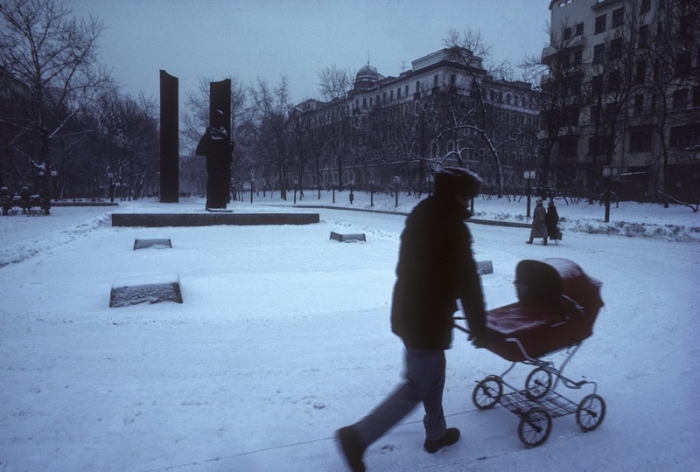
x: 636, y: 106
x: 410, y: 125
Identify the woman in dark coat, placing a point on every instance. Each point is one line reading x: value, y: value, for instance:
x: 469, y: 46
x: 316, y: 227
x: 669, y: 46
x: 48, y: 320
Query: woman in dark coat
x: 552, y: 219
x: 539, y: 226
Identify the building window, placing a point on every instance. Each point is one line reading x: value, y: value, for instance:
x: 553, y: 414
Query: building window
x: 643, y: 37
x: 683, y: 137
x: 568, y: 148
x: 646, y: 6
x: 594, y: 114
x: 398, y: 93
x: 618, y: 17
x: 639, y: 105
x: 680, y: 99
x: 683, y: 63
x: 566, y: 34
x: 640, y: 141
x: 696, y: 97
x: 641, y: 72
x: 565, y: 61
x: 435, y: 81
x: 614, y: 81
x: 597, y: 84
x: 616, y: 48
x: 600, y: 24
x: 598, y: 53
x: 578, y: 58
x: 578, y: 30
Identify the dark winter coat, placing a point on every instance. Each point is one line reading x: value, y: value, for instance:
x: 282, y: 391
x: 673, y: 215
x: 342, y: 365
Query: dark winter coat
x: 552, y: 219
x: 539, y: 226
x: 435, y: 269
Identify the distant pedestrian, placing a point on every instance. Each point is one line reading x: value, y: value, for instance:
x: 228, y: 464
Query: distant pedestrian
x: 539, y: 223
x: 26, y: 196
x: 436, y: 268
x: 5, y: 200
x: 552, y: 220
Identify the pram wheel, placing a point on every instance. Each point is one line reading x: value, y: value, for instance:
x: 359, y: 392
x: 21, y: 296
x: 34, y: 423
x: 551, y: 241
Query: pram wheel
x: 590, y: 412
x: 538, y: 383
x: 534, y: 427
x: 488, y: 392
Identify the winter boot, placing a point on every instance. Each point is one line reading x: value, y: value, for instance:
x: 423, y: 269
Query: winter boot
x: 451, y: 436
x: 351, y: 448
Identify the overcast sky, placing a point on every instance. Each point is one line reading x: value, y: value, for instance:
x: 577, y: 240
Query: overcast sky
x: 267, y: 39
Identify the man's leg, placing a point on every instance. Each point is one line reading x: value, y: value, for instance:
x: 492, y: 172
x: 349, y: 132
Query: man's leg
x: 425, y: 380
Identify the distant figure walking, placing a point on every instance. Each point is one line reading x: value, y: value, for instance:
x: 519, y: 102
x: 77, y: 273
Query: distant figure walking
x: 539, y: 223
x: 551, y: 220
x: 218, y: 147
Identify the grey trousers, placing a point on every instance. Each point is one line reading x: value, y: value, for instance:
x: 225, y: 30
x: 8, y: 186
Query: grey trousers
x: 424, y: 382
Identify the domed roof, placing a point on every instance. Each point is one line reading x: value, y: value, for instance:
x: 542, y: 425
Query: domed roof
x: 367, y: 72
x: 366, y: 77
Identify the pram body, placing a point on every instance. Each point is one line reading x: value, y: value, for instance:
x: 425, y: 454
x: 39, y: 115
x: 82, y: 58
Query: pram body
x: 557, y: 306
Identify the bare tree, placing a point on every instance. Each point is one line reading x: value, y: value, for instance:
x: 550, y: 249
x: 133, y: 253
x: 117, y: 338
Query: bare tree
x: 334, y: 82
x: 270, y: 141
x: 480, y: 117
x: 53, y: 56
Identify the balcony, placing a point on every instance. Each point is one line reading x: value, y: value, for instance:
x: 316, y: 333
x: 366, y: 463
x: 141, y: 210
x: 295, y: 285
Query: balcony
x: 575, y: 42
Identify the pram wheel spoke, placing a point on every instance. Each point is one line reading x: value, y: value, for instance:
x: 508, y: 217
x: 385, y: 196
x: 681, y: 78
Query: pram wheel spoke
x: 590, y: 412
x: 534, y: 427
x: 488, y: 392
x: 538, y: 383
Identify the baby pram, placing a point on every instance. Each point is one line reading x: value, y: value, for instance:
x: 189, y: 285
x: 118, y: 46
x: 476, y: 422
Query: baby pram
x: 558, y: 305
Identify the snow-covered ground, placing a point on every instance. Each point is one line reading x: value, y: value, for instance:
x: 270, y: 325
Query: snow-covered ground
x: 283, y: 337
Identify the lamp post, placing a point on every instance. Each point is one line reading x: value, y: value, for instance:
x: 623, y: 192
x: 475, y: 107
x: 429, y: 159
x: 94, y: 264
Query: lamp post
x: 110, y: 176
x: 252, y: 183
x: 371, y: 193
x: 54, y: 174
x: 397, y: 181
x: 608, y: 172
x: 333, y: 190
x: 352, y: 195
x: 296, y: 182
x: 529, y: 176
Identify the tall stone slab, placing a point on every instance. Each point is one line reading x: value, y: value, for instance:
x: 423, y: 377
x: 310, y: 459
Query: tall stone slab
x: 169, y: 139
x: 220, y: 99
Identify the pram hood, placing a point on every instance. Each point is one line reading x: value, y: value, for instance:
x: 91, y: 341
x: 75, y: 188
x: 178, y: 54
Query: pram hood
x: 550, y: 279
x: 558, y: 305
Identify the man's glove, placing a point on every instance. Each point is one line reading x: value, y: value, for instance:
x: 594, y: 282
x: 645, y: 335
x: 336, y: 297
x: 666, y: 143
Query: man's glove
x: 478, y: 338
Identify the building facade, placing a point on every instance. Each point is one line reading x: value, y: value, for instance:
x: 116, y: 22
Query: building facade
x: 445, y: 110
x: 632, y: 96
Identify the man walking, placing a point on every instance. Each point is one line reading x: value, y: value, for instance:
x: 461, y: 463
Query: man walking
x: 435, y: 269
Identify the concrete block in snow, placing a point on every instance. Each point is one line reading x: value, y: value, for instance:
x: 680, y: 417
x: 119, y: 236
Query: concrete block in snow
x: 145, y: 288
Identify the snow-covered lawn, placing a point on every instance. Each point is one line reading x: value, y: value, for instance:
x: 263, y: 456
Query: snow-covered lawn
x: 283, y: 337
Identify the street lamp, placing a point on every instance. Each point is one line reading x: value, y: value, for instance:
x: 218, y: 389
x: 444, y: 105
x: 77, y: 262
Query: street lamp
x: 352, y: 195
x: 529, y: 176
x: 110, y: 176
x: 296, y: 182
x: 252, y: 183
x: 54, y: 174
x: 397, y: 181
x: 608, y: 172
x: 371, y: 193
